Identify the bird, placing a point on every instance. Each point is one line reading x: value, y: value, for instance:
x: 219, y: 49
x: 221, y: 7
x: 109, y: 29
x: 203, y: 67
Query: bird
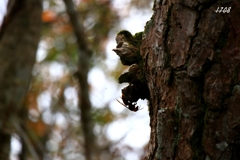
x: 128, y: 47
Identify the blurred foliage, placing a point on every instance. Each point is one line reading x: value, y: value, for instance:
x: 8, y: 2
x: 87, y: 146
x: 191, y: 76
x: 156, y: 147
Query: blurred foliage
x: 98, y: 19
x: 141, y: 4
x: 51, y: 103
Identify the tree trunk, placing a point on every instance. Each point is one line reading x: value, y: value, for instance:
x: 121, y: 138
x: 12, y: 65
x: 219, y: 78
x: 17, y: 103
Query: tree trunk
x: 19, y: 37
x: 192, y: 66
x: 84, y: 57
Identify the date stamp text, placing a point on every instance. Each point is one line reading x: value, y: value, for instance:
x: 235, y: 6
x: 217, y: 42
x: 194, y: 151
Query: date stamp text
x: 223, y: 10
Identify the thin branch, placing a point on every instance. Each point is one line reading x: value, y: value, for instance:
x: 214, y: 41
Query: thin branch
x: 85, y: 54
x: 26, y: 139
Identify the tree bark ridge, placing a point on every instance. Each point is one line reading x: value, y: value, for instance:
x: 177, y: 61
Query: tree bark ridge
x: 191, y: 56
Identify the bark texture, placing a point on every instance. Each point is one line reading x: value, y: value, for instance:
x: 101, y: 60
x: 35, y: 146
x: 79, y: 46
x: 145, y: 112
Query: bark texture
x: 19, y: 37
x: 192, y: 66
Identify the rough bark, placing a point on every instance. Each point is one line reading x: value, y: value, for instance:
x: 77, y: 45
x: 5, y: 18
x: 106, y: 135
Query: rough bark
x: 191, y: 56
x: 19, y: 37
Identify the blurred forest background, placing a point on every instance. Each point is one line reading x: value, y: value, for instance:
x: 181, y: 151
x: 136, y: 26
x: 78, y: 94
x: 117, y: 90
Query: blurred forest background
x: 52, y: 127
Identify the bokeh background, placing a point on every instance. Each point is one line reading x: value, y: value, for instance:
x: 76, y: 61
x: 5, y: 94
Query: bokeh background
x: 52, y: 103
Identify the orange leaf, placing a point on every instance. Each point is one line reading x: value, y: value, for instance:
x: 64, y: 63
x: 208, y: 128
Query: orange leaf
x: 48, y: 16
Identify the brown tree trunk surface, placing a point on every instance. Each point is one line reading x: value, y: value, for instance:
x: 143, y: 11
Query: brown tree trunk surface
x: 192, y: 62
x: 19, y: 37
